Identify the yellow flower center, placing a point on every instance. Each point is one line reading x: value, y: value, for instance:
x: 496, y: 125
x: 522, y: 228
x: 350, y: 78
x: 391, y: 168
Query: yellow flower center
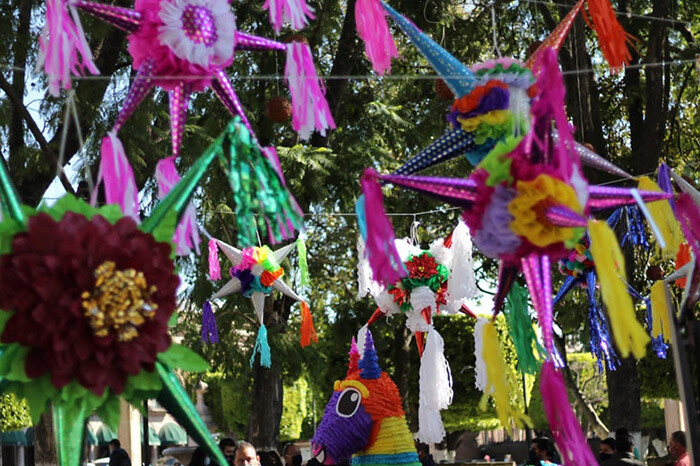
x: 120, y: 301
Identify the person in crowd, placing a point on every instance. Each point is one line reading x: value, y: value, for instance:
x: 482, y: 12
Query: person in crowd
x: 246, y: 455
x: 228, y: 447
x: 117, y: 455
x: 199, y: 458
x: 608, y: 448
x: 542, y: 452
x: 270, y: 458
x: 292, y: 455
x: 426, y: 459
x: 625, y: 454
x: 622, y: 432
x: 678, y: 450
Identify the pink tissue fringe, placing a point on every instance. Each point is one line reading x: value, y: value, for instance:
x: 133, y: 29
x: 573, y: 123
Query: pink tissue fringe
x: 63, y: 49
x: 295, y: 12
x: 688, y: 215
x: 118, y: 177
x: 214, y: 267
x: 562, y: 420
x: 186, y: 235
x: 380, y: 246
x: 309, y: 106
x: 373, y: 29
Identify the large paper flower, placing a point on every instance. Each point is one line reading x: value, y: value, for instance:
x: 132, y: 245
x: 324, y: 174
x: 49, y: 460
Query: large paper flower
x: 529, y: 206
x: 91, y: 299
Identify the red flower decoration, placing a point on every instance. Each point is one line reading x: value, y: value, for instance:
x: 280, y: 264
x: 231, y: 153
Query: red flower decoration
x: 423, y: 266
x: 400, y: 296
x: 42, y: 280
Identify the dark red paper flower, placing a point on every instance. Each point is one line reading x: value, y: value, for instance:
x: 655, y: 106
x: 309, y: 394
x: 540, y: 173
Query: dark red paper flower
x: 423, y: 266
x: 44, y: 278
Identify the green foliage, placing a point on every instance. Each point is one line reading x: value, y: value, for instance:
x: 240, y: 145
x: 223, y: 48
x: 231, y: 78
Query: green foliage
x: 228, y: 399
x: 653, y: 415
x: 14, y: 413
x: 295, y: 409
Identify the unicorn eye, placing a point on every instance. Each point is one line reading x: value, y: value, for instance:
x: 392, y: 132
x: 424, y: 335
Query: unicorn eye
x: 348, y: 402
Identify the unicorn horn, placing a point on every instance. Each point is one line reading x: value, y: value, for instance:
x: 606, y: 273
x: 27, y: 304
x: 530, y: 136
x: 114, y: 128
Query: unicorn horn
x: 456, y: 75
x: 369, y: 365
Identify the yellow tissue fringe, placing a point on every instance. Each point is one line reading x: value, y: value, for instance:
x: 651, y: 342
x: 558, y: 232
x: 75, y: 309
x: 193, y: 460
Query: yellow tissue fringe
x: 629, y: 334
x: 497, y: 385
x: 663, y: 216
x: 659, y: 312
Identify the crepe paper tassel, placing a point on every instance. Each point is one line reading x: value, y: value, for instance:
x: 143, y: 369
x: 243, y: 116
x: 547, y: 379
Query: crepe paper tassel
x: 63, y: 49
x: 435, y: 392
x: 664, y: 179
x: 661, y: 324
x: 682, y: 258
x: 658, y: 345
x: 462, y: 283
x: 303, y: 264
x: 118, y: 177
x: 689, y: 219
x: 612, y: 37
x: 186, y: 237
x: 497, y: 380
x: 522, y: 332
x: 629, y: 335
x: 686, y: 187
x: 214, y: 266
x: 262, y: 347
x: 308, y: 333
x: 663, y: 216
x: 309, y: 106
x: 210, y: 332
x: 563, y: 423
x: 600, y: 343
x: 634, y: 233
x: 480, y: 376
x: 387, y: 266
x: 373, y: 29
x: 295, y: 12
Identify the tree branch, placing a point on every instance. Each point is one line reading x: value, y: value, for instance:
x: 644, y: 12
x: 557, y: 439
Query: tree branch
x: 18, y: 105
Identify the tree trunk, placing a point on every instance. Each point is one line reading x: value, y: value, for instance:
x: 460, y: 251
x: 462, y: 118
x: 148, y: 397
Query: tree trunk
x: 624, y: 396
x: 267, y: 396
x: 44, y: 442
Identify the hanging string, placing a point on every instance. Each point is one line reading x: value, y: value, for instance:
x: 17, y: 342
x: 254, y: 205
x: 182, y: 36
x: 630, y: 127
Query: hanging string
x: 494, y: 31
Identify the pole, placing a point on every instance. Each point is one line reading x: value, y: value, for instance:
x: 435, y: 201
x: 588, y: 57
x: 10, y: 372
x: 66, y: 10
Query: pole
x: 146, y: 439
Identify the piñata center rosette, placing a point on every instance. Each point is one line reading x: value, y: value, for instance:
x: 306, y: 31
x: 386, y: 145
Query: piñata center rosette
x: 425, y: 277
x: 497, y: 106
x: 90, y: 299
x: 184, y: 38
x: 510, y: 215
x: 257, y: 271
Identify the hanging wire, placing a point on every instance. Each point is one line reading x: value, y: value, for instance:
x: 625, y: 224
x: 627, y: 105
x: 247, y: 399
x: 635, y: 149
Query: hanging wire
x: 494, y: 31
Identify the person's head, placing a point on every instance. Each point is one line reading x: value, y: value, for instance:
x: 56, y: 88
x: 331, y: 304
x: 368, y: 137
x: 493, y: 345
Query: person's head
x: 423, y: 450
x: 608, y: 447
x: 677, y: 445
x: 292, y: 455
x: 543, y: 448
x: 114, y: 444
x: 246, y: 455
x: 270, y: 458
x: 624, y: 442
x: 228, y: 447
x: 199, y: 458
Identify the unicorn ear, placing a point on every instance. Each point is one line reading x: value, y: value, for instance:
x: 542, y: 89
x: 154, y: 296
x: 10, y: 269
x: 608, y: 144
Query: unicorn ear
x: 369, y: 364
x: 354, y: 358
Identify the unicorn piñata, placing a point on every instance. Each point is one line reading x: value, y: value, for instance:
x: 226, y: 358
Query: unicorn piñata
x: 364, y: 419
